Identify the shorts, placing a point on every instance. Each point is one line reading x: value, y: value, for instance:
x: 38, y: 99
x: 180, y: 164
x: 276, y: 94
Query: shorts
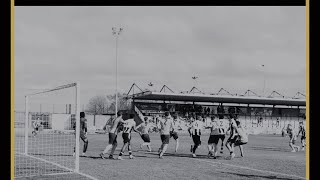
x: 222, y: 137
x: 112, y: 138
x: 213, y: 139
x: 83, y: 136
x: 239, y: 142
x: 196, y: 140
x: 293, y: 141
x: 174, y: 135
x: 165, y: 138
x: 232, y: 140
x: 145, y: 138
x: 126, y: 137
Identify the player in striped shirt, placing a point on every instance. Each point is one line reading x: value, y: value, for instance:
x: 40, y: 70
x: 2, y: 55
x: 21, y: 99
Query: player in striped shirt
x: 113, y: 133
x: 302, y: 130
x: 145, y: 126
x: 165, y: 125
x: 128, y: 126
x: 195, y: 132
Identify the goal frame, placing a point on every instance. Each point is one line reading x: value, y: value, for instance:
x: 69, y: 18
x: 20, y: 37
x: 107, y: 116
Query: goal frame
x: 77, y: 115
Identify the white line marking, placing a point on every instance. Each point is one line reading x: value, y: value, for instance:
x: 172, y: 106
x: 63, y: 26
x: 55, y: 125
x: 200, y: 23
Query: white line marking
x: 252, y: 169
x: 71, y: 170
x: 45, y: 175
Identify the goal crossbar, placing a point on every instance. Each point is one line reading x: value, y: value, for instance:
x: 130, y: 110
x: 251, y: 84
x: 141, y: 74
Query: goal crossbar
x: 54, y: 89
x: 77, y: 116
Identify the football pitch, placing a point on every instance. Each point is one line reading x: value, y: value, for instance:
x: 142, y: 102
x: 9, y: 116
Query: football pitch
x: 265, y: 157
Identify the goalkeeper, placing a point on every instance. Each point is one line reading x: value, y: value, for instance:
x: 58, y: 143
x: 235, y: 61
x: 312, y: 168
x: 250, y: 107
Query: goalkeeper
x: 83, y: 133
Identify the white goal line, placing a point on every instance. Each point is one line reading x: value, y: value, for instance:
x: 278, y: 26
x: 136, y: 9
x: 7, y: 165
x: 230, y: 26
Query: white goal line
x: 45, y: 175
x: 69, y: 169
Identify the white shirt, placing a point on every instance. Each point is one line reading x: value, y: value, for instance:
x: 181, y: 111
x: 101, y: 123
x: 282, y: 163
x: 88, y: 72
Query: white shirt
x: 145, y: 128
x: 214, y: 125
x: 166, y: 124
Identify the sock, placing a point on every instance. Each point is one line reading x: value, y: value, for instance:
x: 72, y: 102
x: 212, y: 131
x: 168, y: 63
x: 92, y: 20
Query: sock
x: 194, y: 149
x: 231, y: 152
x: 120, y: 153
x: 130, y: 152
x: 85, y: 146
x: 107, y: 149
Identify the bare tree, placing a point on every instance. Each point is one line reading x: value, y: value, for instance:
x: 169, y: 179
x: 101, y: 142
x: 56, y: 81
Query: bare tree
x: 97, y: 105
x: 123, y: 103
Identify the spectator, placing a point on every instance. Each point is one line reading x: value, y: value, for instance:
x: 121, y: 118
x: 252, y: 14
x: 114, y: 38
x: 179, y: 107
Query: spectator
x: 208, y: 111
x: 260, y: 121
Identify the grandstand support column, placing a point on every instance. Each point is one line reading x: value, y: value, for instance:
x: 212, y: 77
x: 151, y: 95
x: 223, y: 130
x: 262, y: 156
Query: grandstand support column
x: 298, y: 112
x: 265, y: 116
x: 26, y: 125
x: 132, y: 105
x: 264, y: 80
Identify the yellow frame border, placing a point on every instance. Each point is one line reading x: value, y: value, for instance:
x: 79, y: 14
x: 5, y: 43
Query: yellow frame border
x: 307, y: 6
x: 12, y: 89
x: 307, y: 90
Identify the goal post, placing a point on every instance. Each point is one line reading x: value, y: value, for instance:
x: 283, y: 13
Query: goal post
x: 26, y: 126
x: 55, y: 149
x: 77, y: 127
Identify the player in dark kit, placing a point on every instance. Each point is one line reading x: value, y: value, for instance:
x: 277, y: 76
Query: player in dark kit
x: 83, y: 133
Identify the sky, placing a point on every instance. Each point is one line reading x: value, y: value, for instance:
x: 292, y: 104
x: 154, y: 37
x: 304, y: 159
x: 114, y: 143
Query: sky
x: 225, y: 47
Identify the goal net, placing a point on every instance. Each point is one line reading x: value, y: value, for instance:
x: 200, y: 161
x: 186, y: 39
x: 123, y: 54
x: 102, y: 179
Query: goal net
x: 46, y: 141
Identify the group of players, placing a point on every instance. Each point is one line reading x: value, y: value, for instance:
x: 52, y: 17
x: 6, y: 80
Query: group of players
x: 167, y: 126
x: 293, y: 135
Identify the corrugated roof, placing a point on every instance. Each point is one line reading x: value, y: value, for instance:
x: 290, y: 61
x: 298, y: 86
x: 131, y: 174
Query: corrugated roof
x: 217, y: 98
